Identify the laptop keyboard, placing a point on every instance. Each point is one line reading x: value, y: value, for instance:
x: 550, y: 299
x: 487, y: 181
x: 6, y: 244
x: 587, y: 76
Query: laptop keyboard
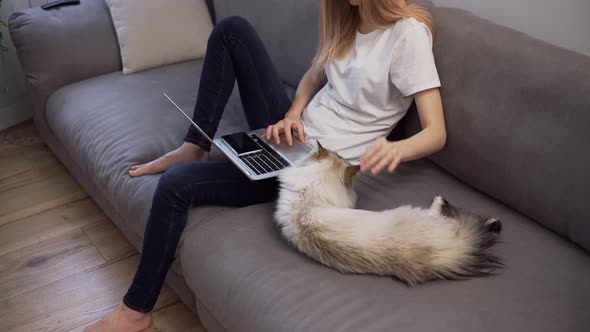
x: 265, y: 161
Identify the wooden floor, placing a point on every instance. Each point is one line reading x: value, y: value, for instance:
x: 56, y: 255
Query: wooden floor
x: 63, y: 264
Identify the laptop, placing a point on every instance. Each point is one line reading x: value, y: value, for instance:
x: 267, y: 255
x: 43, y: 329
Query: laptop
x: 256, y: 157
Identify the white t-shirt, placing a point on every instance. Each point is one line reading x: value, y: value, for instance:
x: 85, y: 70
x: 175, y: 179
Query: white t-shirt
x: 370, y: 89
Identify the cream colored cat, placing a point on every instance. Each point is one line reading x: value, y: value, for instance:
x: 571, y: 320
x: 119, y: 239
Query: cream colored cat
x: 315, y: 213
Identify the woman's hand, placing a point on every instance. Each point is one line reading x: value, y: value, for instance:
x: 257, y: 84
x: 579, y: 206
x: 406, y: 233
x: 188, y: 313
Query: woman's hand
x: 381, y: 154
x: 290, y: 122
x: 430, y: 139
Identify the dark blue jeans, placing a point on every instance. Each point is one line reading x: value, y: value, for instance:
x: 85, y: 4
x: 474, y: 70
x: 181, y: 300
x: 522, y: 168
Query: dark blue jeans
x: 234, y: 52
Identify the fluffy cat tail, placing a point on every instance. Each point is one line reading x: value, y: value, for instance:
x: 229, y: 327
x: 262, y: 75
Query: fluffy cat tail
x: 471, y: 256
x: 442, y: 242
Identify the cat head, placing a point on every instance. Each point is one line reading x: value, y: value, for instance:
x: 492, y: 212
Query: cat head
x: 336, y: 164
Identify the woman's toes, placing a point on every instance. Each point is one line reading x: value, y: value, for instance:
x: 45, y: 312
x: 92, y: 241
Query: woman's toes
x: 134, y: 170
x: 140, y: 171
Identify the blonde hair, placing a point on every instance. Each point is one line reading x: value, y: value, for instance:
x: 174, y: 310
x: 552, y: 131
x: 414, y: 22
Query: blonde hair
x: 339, y: 22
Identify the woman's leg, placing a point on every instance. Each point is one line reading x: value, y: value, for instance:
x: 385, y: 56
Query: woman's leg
x: 183, y: 186
x: 179, y: 188
x: 234, y: 52
x: 243, y: 58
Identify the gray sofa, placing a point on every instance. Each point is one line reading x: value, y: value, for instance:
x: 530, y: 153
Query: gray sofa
x: 518, y: 117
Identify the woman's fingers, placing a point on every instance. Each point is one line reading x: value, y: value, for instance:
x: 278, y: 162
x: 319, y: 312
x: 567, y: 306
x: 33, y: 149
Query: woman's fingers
x: 276, y: 132
x: 288, y: 135
x: 371, y: 149
x: 268, y: 134
x: 371, y: 157
x: 370, y: 162
x: 388, y: 160
x: 394, y: 164
x: 299, y: 127
x: 383, y: 160
x: 287, y: 126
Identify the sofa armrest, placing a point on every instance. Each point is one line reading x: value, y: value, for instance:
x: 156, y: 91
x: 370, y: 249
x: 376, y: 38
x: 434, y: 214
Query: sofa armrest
x: 65, y: 45
x: 517, y: 111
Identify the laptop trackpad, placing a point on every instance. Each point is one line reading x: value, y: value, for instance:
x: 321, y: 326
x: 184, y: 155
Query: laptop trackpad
x: 291, y: 153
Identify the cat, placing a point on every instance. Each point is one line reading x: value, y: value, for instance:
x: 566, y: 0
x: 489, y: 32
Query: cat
x: 315, y: 213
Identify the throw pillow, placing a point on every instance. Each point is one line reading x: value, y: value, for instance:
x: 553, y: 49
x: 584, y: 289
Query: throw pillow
x: 154, y: 33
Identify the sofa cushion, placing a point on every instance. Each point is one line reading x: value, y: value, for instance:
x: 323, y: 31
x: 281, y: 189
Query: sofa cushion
x: 111, y: 122
x: 517, y: 114
x: 245, y: 274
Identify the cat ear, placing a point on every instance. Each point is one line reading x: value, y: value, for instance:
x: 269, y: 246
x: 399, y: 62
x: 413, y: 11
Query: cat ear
x: 322, y: 152
x: 494, y: 225
x: 350, y: 172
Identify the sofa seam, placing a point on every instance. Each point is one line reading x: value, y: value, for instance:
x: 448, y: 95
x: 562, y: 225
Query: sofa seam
x: 198, y: 299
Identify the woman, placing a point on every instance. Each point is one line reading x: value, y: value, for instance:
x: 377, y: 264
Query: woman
x: 373, y: 59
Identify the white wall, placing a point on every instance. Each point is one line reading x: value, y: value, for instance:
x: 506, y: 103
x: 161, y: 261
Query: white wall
x: 565, y: 23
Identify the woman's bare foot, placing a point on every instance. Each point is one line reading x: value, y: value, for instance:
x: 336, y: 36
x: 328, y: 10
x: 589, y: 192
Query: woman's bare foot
x: 187, y: 152
x: 122, y: 319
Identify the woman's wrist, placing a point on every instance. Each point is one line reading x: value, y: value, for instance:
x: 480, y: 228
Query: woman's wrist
x: 401, y: 148
x: 294, y: 113
x: 421, y: 145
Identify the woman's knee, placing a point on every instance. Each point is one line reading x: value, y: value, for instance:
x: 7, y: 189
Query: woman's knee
x: 231, y: 25
x: 234, y: 23
x: 171, y: 187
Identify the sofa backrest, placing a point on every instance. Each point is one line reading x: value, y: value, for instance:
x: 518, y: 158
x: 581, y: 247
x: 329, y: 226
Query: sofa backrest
x: 288, y: 28
x: 518, y: 118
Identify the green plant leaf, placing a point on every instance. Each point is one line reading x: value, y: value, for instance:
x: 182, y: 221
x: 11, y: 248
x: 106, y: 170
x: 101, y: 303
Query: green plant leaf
x: 2, y: 23
x: 3, y: 48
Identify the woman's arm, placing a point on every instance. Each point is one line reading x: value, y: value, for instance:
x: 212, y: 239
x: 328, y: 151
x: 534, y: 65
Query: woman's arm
x: 430, y: 139
x: 307, y: 89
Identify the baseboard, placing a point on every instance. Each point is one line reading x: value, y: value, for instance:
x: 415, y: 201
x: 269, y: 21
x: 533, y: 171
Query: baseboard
x: 15, y: 113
